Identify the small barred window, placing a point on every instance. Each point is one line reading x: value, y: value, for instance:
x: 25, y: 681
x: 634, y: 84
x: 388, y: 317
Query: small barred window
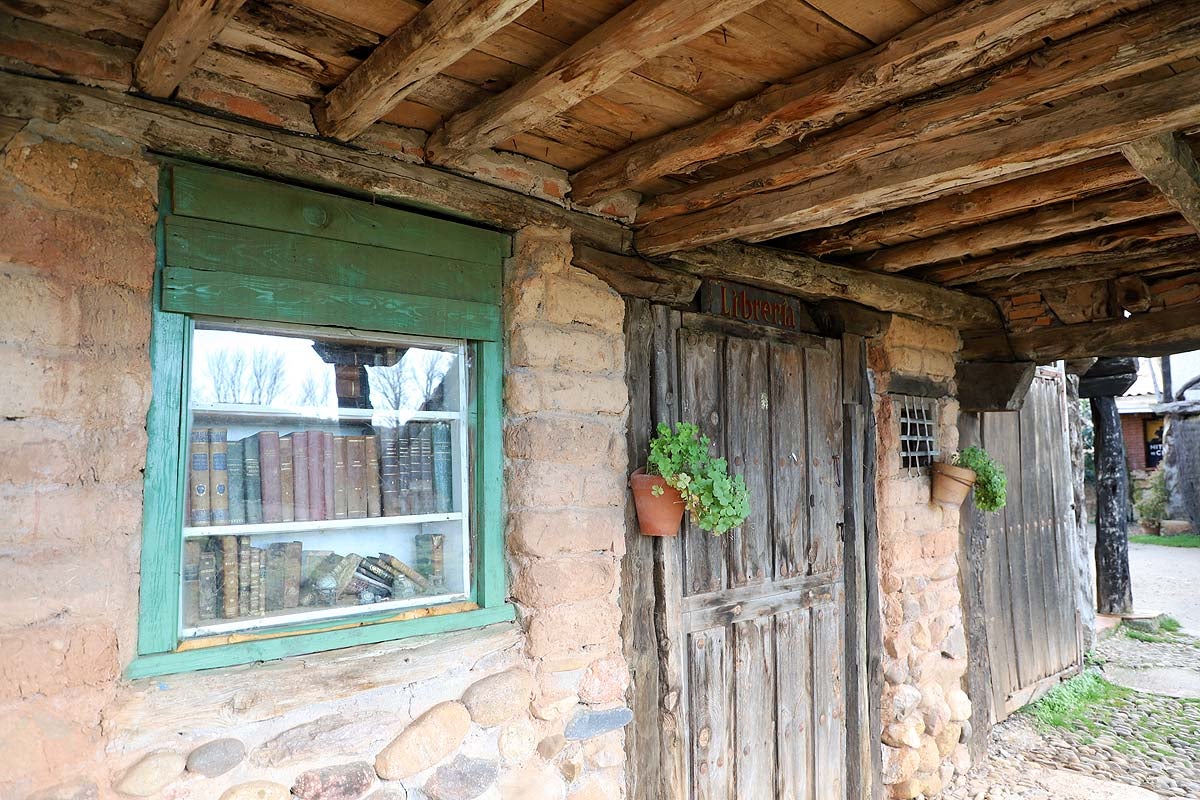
x: 918, y: 431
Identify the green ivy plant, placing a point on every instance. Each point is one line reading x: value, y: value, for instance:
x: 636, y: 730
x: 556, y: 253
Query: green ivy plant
x: 991, y: 484
x: 716, y: 500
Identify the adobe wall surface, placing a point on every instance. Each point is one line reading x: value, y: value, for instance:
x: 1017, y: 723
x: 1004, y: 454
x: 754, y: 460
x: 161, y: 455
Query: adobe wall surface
x: 529, y: 710
x: 924, y: 707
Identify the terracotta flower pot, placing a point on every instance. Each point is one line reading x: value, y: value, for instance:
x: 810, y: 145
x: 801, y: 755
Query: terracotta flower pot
x: 951, y: 484
x: 658, y: 515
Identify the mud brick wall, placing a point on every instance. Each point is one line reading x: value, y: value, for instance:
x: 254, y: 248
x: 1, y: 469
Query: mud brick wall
x: 528, y: 710
x: 924, y: 707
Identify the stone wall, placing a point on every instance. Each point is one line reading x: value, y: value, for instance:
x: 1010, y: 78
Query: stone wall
x: 528, y: 710
x: 924, y: 706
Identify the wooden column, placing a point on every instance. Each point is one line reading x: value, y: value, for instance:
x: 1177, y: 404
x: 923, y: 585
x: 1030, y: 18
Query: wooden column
x: 1113, y: 592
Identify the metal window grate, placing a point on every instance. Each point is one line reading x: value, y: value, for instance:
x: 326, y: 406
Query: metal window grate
x: 918, y: 432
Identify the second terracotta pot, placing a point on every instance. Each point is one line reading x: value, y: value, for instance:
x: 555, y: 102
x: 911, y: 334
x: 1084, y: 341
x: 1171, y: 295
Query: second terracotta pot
x: 951, y: 484
x: 658, y: 515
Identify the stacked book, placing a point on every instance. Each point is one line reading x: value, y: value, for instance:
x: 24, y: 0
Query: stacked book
x: 315, y: 475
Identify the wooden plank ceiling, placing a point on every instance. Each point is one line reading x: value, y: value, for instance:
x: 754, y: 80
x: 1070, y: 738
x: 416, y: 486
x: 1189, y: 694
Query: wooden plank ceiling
x: 1038, y: 153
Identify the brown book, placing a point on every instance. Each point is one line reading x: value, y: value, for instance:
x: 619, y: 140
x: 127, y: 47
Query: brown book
x: 344, y: 571
x: 218, y: 476
x: 316, y: 475
x: 327, y: 479
x: 300, y: 499
x: 404, y: 461
x: 287, y: 481
x: 260, y: 607
x: 256, y: 565
x: 340, y: 481
x: 191, y: 582
x: 356, y: 477
x: 293, y: 555
x: 310, y: 561
x: 268, y: 462
x: 276, y: 570
x: 243, y: 551
x: 210, y: 591
x: 389, y: 471
x: 404, y: 569
x: 201, y: 513
x: 229, y: 576
x: 374, y: 496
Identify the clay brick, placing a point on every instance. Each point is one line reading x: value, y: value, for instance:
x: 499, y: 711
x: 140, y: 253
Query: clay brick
x: 543, y: 533
x: 563, y: 348
x: 604, y: 487
x: 570, y: 627
x: 539, y: 251
x: 245, y: 100
x: 583, y: 298
x: 565, y: 440
x: 82, y: 516
x: 52, y: 658
x: 114, y: 319
x: 69, y: 725
x: 37, y: 308
x: 72, y: 388
x: 40, y: 584
x: 537, y: 484
x: 546, y: 582
x: 584, y: 393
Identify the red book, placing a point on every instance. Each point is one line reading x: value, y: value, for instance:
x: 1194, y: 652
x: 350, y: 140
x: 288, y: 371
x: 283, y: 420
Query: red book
x: 268, y: 461
x: 327, y: 469
x: 300, y: 503
x: 316, y: 476
x: 341, y: 494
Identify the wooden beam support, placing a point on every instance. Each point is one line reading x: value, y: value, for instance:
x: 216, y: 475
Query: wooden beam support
x: 1050, y: 222
x: 1155, y: 333
x: 993, y: 385
x: 442, y: 33
x: 178, y: 40
x: 1072, y: 133
x: 1130, y: 45
x: 809, y: 278
x: 638, y: 33
x: 1167, y: 162
x: 635, y: 277
x: 967, y: 38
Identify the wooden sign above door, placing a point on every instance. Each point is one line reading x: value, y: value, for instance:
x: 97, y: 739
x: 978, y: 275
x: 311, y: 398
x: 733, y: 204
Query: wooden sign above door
x: 752, y: 305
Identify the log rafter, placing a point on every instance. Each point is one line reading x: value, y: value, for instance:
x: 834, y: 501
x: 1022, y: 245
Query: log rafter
x: 177, y: 41
x: 443, y: 32
x: 638, y: 33
x: 1166, y: 160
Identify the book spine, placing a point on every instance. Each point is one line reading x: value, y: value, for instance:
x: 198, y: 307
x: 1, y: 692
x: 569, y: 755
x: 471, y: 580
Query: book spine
x: 389, y: 472
x: 316, y: 476
x: 229, y: 576
x: 198, y: 465
x: 443, y: 468
x: 218, y: 476
x: 260, y: 606
x: 287, y: 481
x: 293, y: 556
x: 356, y: 477
x: 429, y: 549
x: 268, y: 463
x: 327, y: 501
x: 209, y: 591
x: 404, y: 444
x: 340, y: 493
x: 300, y: 499
x: 423, y: 469
x: 235, y: 457
x: 345, y: 571
x: 244, y: 576
x: 276, y: 570
x: 371, y: 455
x: 419, y: 580
x: 376, y: 570
x: 191, y: 582
x: 256, y: 565
x: 252, y: 480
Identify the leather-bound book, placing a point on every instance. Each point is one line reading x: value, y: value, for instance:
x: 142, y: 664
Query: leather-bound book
x: 400, y: 567
x: 316, y: 475
x: 229, y: 576
x: 422, y: 470
x: 253, y: 480
x: 200, y: 514
x: 404, y: 458
x: 256, y: 567
x: 218, y: 476
x: 244, y: 576
x: 210, y: 592
x: 273, y: 593
x: 389, y: 472
x: 340, y: 481
x: 328, y: 475
x: 268, y: 462
x: 356, y: 477
x: 443, y: 469
x: 293, y: 558
x: 287, y: 481
x: 371, y: 455
x: 191, y: 582
x: 300, y: 499
x: 235, y: 457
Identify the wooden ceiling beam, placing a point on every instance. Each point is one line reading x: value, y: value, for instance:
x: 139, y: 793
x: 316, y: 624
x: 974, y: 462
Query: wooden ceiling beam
x: 967, y: 38
x: 177, y: 41
x: 809, y: 278
x: 1166, y: 160
x: 1163, y: 34
x: 1050, y: 222
x: 439, y: 35
x: 1172, y: 260
x: 956, y: 211
x: 638, y: 33
x: 1074, y: 132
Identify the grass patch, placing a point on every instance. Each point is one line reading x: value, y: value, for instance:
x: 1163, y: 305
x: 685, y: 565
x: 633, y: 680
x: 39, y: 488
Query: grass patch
x: 1149, y: 638
x: 1068, y: 703
x: 1169, y: 624
x: 1190, y: 540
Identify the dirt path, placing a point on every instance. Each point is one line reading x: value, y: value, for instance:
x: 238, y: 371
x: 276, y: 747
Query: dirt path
x: 1167, y: 580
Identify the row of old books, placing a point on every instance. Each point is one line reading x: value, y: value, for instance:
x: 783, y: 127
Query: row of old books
x: 226, y: 577
x: 315, y: 475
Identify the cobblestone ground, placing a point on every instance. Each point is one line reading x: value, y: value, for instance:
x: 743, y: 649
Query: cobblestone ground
x: 1131, y: 738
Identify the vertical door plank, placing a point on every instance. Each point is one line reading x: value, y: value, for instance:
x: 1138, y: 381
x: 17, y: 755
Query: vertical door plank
x: 1042, y: 408
x: 789, y: 461
x: 1031, y: 516
x: 747, y: 448
x: 794, y: 686
x: 1009, y: 441
x: 824, y: 391
x: 754, y: 701
x: 829, y: 732
x: 711, y: 707
x: 701, y: 357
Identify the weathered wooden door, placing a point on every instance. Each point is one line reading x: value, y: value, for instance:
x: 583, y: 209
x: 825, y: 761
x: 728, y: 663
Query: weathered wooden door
x: 751, y: 625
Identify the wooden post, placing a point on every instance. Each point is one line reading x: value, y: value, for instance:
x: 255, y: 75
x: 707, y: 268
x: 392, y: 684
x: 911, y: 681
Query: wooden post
x: 1113, y: 592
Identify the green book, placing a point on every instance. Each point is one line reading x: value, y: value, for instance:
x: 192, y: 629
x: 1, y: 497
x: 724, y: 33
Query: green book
x: 443, y: 468
x: 234, y: 457
x: 252, y: 480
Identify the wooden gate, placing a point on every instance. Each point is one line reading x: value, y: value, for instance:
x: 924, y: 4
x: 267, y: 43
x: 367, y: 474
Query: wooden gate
x: 739, y: 665
x: 1020, y: 596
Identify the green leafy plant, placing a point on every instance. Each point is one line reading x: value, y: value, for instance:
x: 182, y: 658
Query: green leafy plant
x: 1152, y: 507
x: 991, y: 484
x: 716, y: 500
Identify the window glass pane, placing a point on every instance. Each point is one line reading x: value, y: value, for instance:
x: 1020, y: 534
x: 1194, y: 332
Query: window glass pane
x: 327, y: 474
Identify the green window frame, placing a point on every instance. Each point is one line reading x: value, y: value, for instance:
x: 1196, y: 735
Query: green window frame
x: 239, y: 247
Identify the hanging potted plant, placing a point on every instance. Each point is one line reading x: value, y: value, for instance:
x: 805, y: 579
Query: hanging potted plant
x: 971, y: 467
x: 680, y: 475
